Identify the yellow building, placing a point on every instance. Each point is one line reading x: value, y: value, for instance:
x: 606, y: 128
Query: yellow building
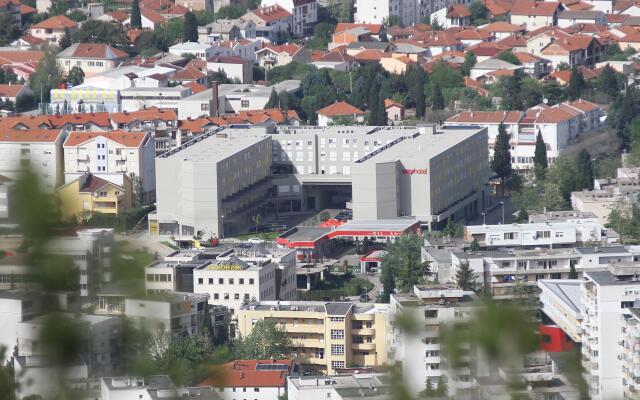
x: 326, y: 336
x: 89, y: 193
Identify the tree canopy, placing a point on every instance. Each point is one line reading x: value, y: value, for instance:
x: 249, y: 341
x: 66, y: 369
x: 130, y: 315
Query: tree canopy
x: 402, y: 266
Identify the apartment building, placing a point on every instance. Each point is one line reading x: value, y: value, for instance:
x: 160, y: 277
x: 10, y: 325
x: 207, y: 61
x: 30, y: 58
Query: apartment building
x: 150, y: 387
x: 503, y: 270
x: 432, y: 307
x: 225, y: 169
x: 304, y: 14
x: 16, y: 306
x: 38, y: 149
x: 174, y: 313
x: 113, y: 156
x: 606, y: 298
x: 6, y: 197
x: 557, y: 125
x: 271, y: 21
x: 561, y: 302
x: 338, y: 387
x: 325, y: 336
x: 138, y: 98
x: 550, y: 234
x: 629, y: 353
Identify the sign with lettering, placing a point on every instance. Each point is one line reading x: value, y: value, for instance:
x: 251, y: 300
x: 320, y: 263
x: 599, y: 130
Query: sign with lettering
x: 227, y: 267
x: 414, y: 171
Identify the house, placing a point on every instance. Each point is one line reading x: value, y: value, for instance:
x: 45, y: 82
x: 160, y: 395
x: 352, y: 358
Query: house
x: 501, y: 30
x: 470, y: 37
x: 27, y: 42
x: 236, y: 68
x: 90, y: 194
x: 222, y: 29
x: 304, y: 14
x: 535, y: 14
x: 53, y: 29
x: 344, y: 38
x: 200, y: 50
x: 491, y: 65
x: 458, y: 15
x: 198, y: 5
x: 275, y: 55
x: 336, y: 60
x: 11, y: 92
x: 377, y: 31
x: 534, y: 66
x: 572, y: 50
x: 92, y: 58
x: 564, y: 76
x: 396, y: 64
x: 149, y: 18
x: 395, y: 111
x: 339, y: 113
x: 189, y: 74
x: 264, y: 378
x: 112, y: 156
x: 271, y: 21
x: 572, y: 17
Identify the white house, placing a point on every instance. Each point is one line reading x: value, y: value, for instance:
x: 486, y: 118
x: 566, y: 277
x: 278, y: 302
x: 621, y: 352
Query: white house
x: 253, y: 378
x: 535, y: 14
x: 53, y: 29
x: 236, y: 68
x: 200, y: 50
x: 573, y: 17
x: 304, y: 12
x: 339, y: 112
x: 93, y: 58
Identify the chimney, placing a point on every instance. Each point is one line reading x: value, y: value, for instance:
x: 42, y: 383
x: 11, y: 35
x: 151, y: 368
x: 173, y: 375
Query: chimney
x: 213, y: 104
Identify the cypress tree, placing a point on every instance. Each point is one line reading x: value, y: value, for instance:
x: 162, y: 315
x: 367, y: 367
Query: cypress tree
x: 466, y: 279
x: 540, y: 161
x: 136, y: 18
x: 576, y: 84
x: 437, y: 99
x: 501, y: 162
x: 190, y: 27
x: 584, y: 180
x: 382, y: 112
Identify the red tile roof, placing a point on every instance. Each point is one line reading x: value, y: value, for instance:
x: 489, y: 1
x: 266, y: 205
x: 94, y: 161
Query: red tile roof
x: 188, y: 74
x: 148, y: 114
x: 289, y: 48
x: 195, y: 87
x: 340, y: 108
x: 10, y: 90
x: 28, y: 121
x: 59, y: 22
x: 584, y: 105
x: 458, y: 11
x: 565, y: 75
x: 153, y: 16
x: 30, y: 135
x: 616, y: 18
x: 392, y: 103
x: 497, y: 7
x: 32, y: 40
x: 92, y: 183
x: 271, y: 13
x: 369, y: 55
x: 345, y: 26
x: 119, y: 15
x: 536, y: 8
x: 127, y: 139
x: 25, y: 9
x: 17, y: 56
x: 487, y: 117
x: 96, y: 118
x: 472, y: 34
x: 501, y: 27
x: 245, y: 373
x: 94, y: 50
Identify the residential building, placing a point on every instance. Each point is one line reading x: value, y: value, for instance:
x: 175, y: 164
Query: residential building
x: 561, y: 302
x: 535, y: 14
x: 16, y: 306
x: 11, y: 92
x: 202, y: 5
x: 39, y: 149
x: 277, y: 55
x: 491, y: 65
x: 271, y: 21
x: 155, y: 386
x: 6, y: 198
x: 92, y: 58
x: 149, y: 19
x: 111, y: 156
x: 53, y: 29
x: 340, y: 387
x: 84, y: 99
x: 260, y: 379
x: 606, y: 298
x: 304, y: 14
x: 395, y: 111
x: 421, y: 354
x: 568, y: 18
x: 174, y: 313
x: 88, y: 194
x: 236, y: 68
x: 376, y: 11
x: 200, y: 50
x: 139, y: 98
x: 340, y: 113
x: 325, y: 336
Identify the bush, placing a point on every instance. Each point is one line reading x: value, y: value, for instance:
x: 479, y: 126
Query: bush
x: 122, y: 222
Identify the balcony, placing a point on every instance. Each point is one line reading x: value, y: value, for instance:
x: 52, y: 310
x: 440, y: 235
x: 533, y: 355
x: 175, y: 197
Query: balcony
x: 363, y: 346
x: 363, y: 332
x: 304, y: 328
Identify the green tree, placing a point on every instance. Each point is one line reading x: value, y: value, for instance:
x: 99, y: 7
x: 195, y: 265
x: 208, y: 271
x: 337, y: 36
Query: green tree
x: 402, y: 267
x: 531, y: 92
x: 437, y: 99
x: 553, y: 92
x: 266, y: 341
x: 470, y: 60
x: 94, y: 31
x: 190, y: 28
x: 136, y: 18
x: 9, y: 31
x: 474, y: 246
x: 65, y: 40
x: 609, y: 82
x: 511, y: 91
x: 466, y: 278
x: 509, y: 57
x: 523, y: 216
x: 577, y: 85
x: 25, y: 102
x: 553, y: 198
x: 501, y: 161
x: 584, y: 167
x: 478, y: 13
x: 46, y: 77
x: 273, y: 100
x: 540, y: 160
x: 75, y: 76
x: 321, y: 36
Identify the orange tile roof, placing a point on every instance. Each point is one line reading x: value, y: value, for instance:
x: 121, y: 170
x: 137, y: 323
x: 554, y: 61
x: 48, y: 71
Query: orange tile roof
x: 119, y: 15
x: 32, y: 40
x: 516, y: 40
x: 526, y: 57
x: 17, y: 56
x: 29, y: 121
x: 536, y: 8
x: 95, y: 118
x: 176, y: 9
x: 497, y: 7
x: 188, y: 74
x: 12, y: 90
x: 458, y: 11
x: 340, y: 108
x: 195, y: 125
x: 501, y: 27
x: 147, y: 114
x: 244, y: 373
x: 392, y: 103
x: 153, y: 16
x: 271, y: 13
x: 59, y: 22
x: 565, y: 75
x: 487, y: 117
x: 127, y: 139
x: 195, y: 87
x: 369, y: 55
x: 616, y: 18
x: 584, y: 105
x: 289, y: 48
x: 580, y: 6
x: 25, y: 9
x: 95, y: 50
x: 30, y: 135
x: 553, y: 115
x: 345, y: 26
x: 473, y: 34
x: 475, y: 85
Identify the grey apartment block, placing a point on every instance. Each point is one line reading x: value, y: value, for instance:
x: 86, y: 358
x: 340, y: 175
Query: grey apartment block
x: 5, y: 186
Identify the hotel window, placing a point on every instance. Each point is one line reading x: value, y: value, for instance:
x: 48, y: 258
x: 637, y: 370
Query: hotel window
x: 337, y: 334
x: 337, y: 364
x: 337, y: 349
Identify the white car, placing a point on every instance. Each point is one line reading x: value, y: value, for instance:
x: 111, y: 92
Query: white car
x: 255, y: 241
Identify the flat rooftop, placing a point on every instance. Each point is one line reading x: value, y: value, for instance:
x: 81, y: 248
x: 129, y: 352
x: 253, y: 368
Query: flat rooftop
x: 246, y: 90
x: 567, y: 290
x: 420, y: 147
x: 330, y: 308
x: 217, y: 144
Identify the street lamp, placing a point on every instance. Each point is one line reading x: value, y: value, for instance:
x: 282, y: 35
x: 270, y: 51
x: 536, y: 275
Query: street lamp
x: 222, y: 231
x: 502, y: 204
x: 484, y: 218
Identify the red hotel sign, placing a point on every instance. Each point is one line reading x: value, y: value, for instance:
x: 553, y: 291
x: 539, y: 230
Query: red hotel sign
x: 414, y: 171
